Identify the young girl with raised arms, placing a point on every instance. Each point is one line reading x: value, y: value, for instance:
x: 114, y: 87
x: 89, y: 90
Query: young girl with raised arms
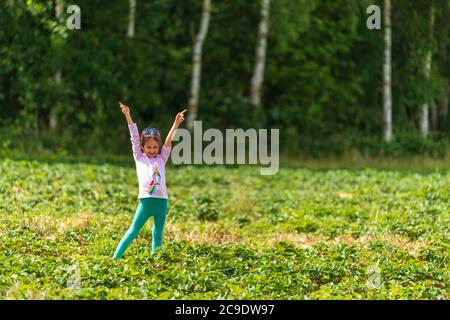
x: 150, y: 158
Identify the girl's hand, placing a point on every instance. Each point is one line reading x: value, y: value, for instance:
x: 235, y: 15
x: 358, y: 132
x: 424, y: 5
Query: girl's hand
x: 125, y: 109
x: 180, y: 117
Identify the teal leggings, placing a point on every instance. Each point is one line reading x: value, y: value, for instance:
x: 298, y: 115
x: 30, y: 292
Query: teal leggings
x: 156, y: 207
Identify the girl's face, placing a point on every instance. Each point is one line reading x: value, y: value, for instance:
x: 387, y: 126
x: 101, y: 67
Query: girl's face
x: 151, y: 148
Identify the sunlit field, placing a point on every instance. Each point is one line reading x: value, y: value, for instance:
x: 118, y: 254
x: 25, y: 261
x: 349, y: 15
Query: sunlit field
x: 231, y: 233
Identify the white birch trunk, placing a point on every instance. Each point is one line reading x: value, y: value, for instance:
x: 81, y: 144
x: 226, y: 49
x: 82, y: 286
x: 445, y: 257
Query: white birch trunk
x: 53, y: 121
x: 387, y: 69
x: 260, y: 55
x: 443, y: 101
x: 131, y: 19
x: 197, y: 64
x: 425, y: 118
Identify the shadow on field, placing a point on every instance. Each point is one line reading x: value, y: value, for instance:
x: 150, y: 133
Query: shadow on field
x: 417, y: 165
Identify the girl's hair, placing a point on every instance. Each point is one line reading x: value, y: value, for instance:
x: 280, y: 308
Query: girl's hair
x: 150, y: 134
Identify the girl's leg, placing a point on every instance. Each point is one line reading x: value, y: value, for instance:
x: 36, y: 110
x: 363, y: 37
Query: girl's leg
x: 160, y: 212
x: 140, y: 217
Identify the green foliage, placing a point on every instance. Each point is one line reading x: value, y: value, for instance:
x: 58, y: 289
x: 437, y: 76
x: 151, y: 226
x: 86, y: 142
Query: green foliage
x: 352, y: 144
x: 205, y: 205
x: 322, y: 78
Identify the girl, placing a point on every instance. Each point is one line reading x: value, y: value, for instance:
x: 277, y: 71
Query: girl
x: 150, y: 169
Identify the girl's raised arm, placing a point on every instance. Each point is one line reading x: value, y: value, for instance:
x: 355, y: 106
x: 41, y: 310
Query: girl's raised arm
x: 134, y: 133
x: 178, y: 120
x: 126, y: 112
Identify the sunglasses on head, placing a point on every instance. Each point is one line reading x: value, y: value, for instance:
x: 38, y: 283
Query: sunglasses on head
x: 150, y: 131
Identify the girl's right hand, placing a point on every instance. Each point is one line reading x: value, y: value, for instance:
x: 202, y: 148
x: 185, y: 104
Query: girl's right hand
x: 125, y: 109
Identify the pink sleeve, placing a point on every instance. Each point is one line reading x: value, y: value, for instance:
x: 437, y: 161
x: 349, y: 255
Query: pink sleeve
x: 135, y: 141
x: 165, y: 152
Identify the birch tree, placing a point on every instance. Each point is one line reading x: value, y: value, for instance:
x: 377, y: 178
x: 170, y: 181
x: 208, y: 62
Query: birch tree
x: 131, y: 19
x: 425, y: 119
x: 260, y: 56
x: 53, y: 121
x: 441, y: 24
x: 387, y: 70
x: 197, y: 64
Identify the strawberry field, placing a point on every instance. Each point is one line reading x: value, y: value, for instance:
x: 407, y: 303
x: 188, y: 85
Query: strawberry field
x: 230, y: 233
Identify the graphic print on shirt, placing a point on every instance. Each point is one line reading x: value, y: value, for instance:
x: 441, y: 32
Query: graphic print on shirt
x: 154, y: 189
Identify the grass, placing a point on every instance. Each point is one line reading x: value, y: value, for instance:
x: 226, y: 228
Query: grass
x: 309, y: 232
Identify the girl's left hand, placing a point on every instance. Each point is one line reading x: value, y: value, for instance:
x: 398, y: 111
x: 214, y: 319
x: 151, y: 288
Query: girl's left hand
x: 180, y: 116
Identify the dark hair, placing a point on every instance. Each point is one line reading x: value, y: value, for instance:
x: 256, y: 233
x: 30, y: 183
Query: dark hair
x: 150, y: 134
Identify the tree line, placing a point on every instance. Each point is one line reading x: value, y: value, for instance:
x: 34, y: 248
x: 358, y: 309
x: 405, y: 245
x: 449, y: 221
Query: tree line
x: 309, y: 67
